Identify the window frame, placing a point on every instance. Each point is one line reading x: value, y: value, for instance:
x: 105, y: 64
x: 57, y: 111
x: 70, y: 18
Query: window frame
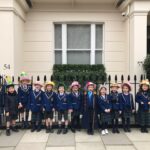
x: 93, y: 48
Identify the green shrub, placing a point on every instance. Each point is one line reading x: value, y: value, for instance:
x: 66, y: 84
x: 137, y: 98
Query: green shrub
x: 147, y: 66
x: 82, y: 73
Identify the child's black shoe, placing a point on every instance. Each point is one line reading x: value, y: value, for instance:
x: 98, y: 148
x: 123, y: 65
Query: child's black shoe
x: 117, y: 131
x: 27, y: 126
x: 47, y: 130
x: 92, y: 132
x: 14, y: 129
x: 142, y: 130
x: 125, y: 130
x: 73, y: 130
x: 128, y: 129
x: 33, y: 129
x: 146, y: 130
x: 38, y: 129
x: 23, y: 126
x: 113, y: 131
x: 59, y: 131
x: 51, y: 130
x: 65, y: 131
x: 8, y: 132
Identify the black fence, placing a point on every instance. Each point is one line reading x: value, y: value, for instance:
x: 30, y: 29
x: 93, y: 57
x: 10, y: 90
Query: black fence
x: 135, y: 80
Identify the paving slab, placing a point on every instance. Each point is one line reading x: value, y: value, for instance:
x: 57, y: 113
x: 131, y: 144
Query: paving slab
x: 116, y: 139
x: 124, y: 147
x: 60, y: 148
x: 10, y: 141
x: 136, y: 135
x: 90, y: 146
x: 61, y: 140
x: 30, y: 146
x: 35, y: 137
x: 84, y: 137
x: 7, y: 148
x: 142, y: 145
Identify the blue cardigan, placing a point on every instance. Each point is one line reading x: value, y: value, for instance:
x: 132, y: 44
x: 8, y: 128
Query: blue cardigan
x: 49, y: 100
x: 114, y: 100
x: 24, y: 95
x: 126, y: 101
x: 75, y: 101
x: 104, y: 103
x: 36, y: 101
x: 62, y: 102
x: 145, y: 98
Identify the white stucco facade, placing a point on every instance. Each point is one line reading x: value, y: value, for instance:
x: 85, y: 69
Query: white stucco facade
x: 27, y: 34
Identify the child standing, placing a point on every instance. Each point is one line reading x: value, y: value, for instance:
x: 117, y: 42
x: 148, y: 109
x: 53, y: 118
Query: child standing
x: 11, y: 108
x: 36, y: 106
x: 75, y: 98
x: 127, y: 105
x: 62, y: 105
x: 143, y: 99
x: 49, y: 98
x: 90, y: 120
x: 115, y: 106
x: 105, y: 107
x: 23, y: 98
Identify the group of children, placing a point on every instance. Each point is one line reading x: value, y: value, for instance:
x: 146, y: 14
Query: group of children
x: 97, y: 108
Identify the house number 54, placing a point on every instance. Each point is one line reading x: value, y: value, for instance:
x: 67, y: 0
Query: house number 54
x: 6, y: 66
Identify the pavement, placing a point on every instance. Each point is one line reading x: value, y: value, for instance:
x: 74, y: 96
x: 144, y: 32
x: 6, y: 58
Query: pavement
x: 25, y: 140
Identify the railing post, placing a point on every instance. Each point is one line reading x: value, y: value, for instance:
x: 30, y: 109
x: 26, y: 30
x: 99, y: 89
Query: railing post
x: 116, y: 78
x: 45, y: 78
x: 52, y: 78
x: 38, y: 78
x: 109, y: 81
x: 141, y: 77
x: 128, y: 78
x: 135, y: 90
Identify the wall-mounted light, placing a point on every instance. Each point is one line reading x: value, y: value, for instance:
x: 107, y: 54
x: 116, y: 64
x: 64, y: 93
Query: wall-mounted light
x: 140, y: 63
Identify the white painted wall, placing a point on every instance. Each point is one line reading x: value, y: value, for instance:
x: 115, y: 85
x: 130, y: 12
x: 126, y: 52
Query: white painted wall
x: 6, y: 42
x: 27, y: 40
x: 39, y: 35
x: 12, y: 19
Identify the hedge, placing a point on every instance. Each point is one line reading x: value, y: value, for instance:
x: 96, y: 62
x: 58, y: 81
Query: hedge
x: 82, y: 73
x: 146, y: 66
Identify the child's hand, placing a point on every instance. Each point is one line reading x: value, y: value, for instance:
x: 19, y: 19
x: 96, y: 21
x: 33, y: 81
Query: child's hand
x: 120, y: 112
x: 148, y: 103
x: 106, y: 110
x: 142, y: 103
x: 53, y: 109
x: 133, y: 111
x: 70, y: 110
x: 20, y: 105
x: 7, y: 114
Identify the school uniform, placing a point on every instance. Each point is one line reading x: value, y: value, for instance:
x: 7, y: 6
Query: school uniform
x: 62, y: 106
x: 36, y: 107
x: 104, y: 103
x: 75, y: 99
x: 23, y: 98
x: 127, y: 105
x: 49, y: 100
x: 89, y: 110
x: 11, y: 106
x: 143, y: 109
x: 115, y: 109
